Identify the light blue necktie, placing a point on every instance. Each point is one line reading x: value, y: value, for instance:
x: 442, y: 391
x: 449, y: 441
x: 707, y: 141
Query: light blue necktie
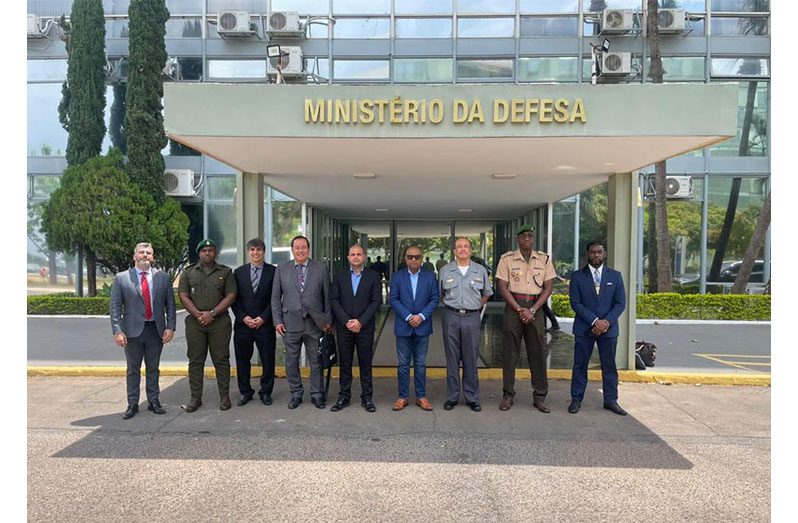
x: 597, y: 280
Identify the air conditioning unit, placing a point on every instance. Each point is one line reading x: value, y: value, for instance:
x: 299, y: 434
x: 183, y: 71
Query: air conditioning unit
x: 616, y: 64
x: 671, y: 21
x: 616, y: 21
x: 679, y: 187
x: 283, y: 23
x: 179, y: 182
x: 291, y: 64
x: 233, y: 23
x: 34, y: 27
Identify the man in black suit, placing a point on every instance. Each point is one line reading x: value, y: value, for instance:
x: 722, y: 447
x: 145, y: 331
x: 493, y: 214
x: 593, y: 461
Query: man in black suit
x: 254, y: 325
x: 355, y: 297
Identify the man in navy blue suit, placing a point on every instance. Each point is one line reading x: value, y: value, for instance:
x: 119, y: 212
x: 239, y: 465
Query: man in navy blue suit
x: 598, y: 298
x: 414, y: 297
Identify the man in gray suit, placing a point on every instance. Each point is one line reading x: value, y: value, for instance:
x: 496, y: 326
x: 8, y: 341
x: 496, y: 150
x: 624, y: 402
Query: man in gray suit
x: 142, y: 319
x: 301, y: 312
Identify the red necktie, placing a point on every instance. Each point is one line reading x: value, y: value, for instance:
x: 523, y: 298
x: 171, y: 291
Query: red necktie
x: 145, y: 293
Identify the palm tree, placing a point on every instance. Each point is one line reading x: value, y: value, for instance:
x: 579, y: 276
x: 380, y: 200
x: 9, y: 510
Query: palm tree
x: 757, y: 238
x: 664, y: 271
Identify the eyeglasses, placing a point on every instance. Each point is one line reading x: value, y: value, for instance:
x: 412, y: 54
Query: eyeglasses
x: 413, y: 256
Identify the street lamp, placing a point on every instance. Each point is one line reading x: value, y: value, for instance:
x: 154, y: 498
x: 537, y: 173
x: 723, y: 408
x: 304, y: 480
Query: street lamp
x: 274, y: 52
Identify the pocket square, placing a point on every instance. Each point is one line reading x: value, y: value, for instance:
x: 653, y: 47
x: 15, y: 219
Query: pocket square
x: 609, y: 283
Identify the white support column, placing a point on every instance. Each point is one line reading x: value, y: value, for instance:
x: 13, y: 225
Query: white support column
x: 623, y: 199
x: 249, y: 211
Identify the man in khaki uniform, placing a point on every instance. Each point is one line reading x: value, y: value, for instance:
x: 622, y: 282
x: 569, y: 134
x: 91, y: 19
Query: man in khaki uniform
x: 207, y: 289
x: 524, y: 278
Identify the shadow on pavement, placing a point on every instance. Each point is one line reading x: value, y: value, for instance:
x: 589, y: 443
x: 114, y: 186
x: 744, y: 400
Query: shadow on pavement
x: 522, y: 436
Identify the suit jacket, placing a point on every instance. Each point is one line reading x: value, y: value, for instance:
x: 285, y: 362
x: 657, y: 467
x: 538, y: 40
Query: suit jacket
x: 608, y: 304
x: 257, y: 303
x: 362, y: 306
x: 288, y: 300
x: 425, y: 302
x: 127, y: 303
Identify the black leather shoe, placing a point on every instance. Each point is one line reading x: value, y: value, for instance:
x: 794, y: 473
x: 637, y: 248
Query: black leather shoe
x: 615, y: 408
x: 224, y: 403
x: 573, y: 408
x: 449, y: 405
x: 538, y: 404
x: 155, y: 406
x: 318, y: 403
x: 475, y: 406
x: 131, y: 411
x: 266, y: 399
x: 339, y: 405
x: 368, y: 405
x: 294, y: 403
x: 244, y: 399
x: 194, y: 404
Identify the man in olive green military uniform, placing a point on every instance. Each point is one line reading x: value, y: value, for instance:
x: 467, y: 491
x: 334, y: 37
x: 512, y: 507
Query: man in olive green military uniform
x: 524, y: 278
x: 207, y: 289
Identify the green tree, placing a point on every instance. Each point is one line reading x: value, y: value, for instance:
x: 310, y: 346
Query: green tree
x: 98, y: 209
x: 84, y: 91
x: 116, y: 127
x: 143, y: 119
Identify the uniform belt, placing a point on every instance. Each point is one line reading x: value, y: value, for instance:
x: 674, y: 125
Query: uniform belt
x: 526, y: 297
x: 149, y: 322
x: 461, y: 311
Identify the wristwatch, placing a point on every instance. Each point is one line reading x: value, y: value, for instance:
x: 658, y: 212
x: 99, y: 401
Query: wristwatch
x: 532, y: 310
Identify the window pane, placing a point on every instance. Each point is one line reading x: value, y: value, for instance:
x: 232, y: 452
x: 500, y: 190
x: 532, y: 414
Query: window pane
x: 486, y: 6
x: 740, y: 5
x: 116, y: 29
x: 362, y: 7
x: 740, y: 67
x: 422, y: 70
x: 362, y: 28
x: 222, y: 228
x: 752, y: 119
x: 423, y: 28
x: 561, y: 26
x: 111, y: 7
x: 44, y: 130
x: 734, y: 26
x: 679, y: 68
x: 251, y: 6
x: 423, y: 7
x: 476, y: 69
x: 237, y: 68
x: 320, y: 67
x: 549, y: 6
x: 189, y: 68
x: 691, y: 6
x: 186, y: 7
x: 221, y: 188
x: 485, y: 27
x: 305, y: 7
x: 51, y: 7
x: 43, y: 186
x: 752, y: 192
x: 600, y: 5
x: 44, y: 70
x: 316, y: 29
x: 361, y: 69
x: 183, y: 28
x: 548, y: 69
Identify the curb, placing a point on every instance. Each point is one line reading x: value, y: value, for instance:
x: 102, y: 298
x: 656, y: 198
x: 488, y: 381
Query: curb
x: 625, y: 376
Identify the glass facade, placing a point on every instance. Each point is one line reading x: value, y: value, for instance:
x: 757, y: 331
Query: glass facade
x: 442, y: 41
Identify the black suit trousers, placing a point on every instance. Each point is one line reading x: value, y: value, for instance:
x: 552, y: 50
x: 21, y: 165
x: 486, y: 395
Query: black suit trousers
x: 243, y: 340
x: 348, y: 341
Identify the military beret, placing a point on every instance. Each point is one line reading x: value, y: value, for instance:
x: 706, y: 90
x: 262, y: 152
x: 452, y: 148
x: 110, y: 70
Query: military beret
x: 523, y: 229
x: 205, y: 243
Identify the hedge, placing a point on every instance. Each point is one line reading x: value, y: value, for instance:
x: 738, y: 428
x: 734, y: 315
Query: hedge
x: 68, y: 303
x: 671, y: 305
x: 752, y: 307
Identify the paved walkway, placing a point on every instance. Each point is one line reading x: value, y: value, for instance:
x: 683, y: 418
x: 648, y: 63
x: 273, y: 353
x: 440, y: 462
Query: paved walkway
x: 684, y: 453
